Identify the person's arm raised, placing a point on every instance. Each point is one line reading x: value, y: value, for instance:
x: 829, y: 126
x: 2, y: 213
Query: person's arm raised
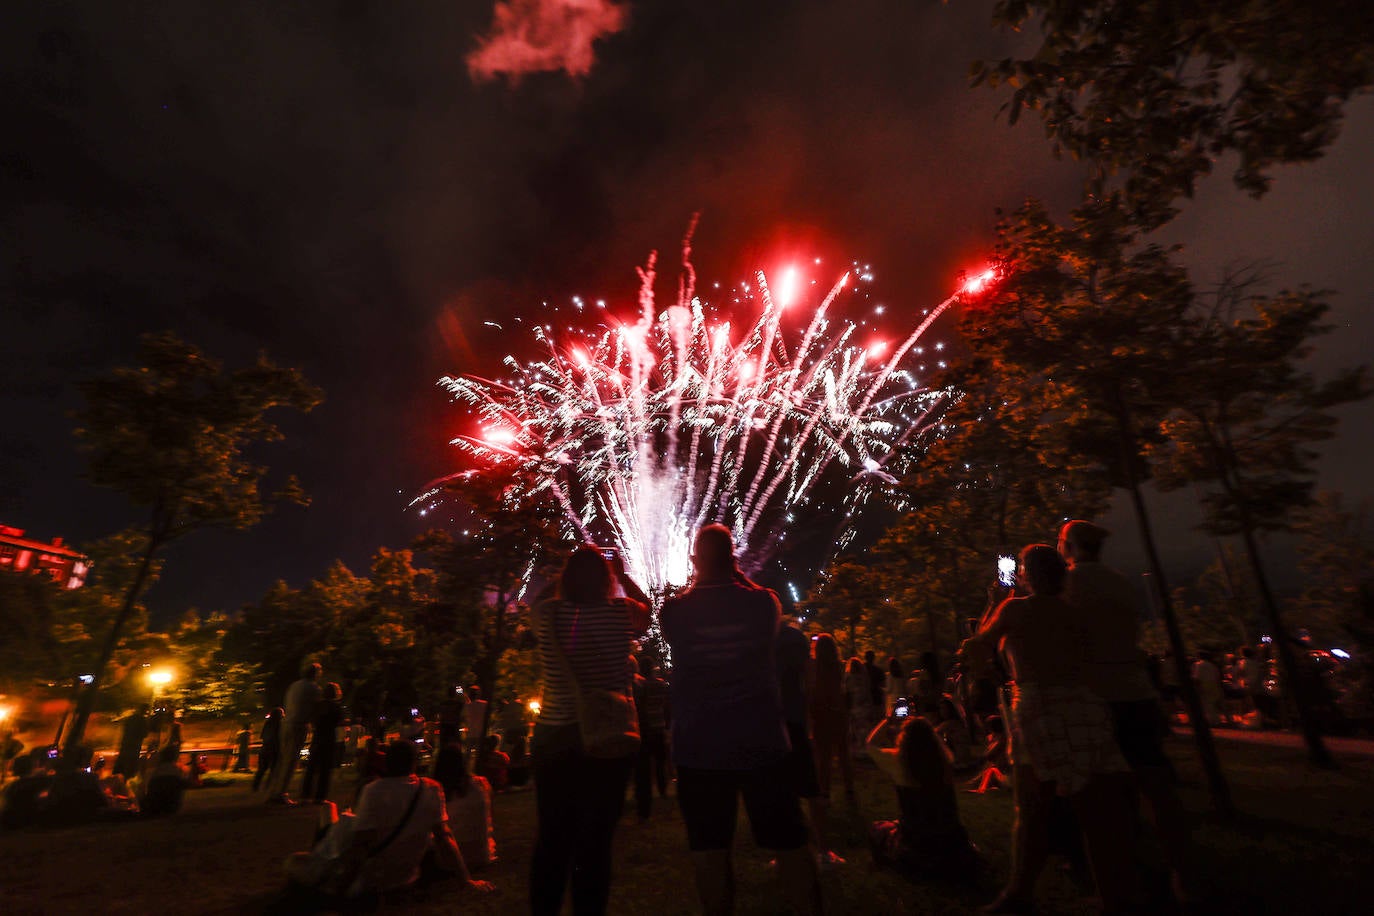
x: 639, y: 600
x: 885, y: 757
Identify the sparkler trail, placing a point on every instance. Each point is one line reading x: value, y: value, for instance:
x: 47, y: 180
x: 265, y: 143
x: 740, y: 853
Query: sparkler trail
x: 643, y: 432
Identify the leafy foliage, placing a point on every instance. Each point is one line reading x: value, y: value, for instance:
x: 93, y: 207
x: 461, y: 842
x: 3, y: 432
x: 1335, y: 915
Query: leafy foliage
x: 1246, y: 413
x: 171, y: 434
x: 1160, y: 89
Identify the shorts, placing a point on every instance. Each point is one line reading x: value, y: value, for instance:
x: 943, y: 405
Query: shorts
x: 709, y: 801
x: 801, y: 763
x: 1139, y: 727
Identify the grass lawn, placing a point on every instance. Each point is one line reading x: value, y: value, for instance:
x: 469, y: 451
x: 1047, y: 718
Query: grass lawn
x: 1303, y: 844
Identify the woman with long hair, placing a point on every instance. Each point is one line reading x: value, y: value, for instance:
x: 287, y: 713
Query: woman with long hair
x: 585, y: 638
x: 929, y: 839
x: 830, y: 716
x: 1062, y: 742
x: 468, y: 799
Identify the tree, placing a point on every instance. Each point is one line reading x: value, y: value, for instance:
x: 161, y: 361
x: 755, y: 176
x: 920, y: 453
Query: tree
x: 981, y: 489
x: 1084, y: 331
x: 1158, y: 90
x: 846, y: 601
x: 1245, y: 417
x: 483, y: 574
x: 1336, y: 552
x: 52, y: 633
x: 171, y: 434
x: 1336, y: 555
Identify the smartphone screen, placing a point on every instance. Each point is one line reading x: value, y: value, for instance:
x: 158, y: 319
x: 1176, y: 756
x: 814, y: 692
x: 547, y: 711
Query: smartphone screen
x: 1006, y: 571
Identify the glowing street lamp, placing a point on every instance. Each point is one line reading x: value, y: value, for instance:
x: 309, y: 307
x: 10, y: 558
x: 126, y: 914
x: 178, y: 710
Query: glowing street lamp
x: 534, y: 707
x: 157, y: 678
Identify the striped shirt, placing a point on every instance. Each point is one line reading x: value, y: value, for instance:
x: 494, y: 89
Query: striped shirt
x: 597, y: 641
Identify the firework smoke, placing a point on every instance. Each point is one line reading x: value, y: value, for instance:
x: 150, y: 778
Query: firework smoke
x: 533, y: 36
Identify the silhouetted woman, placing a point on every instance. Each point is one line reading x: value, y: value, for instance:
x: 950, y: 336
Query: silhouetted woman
x: 469, y: 807
x: 587, y: 633
x: 928, y: 840
x: 830, y: 717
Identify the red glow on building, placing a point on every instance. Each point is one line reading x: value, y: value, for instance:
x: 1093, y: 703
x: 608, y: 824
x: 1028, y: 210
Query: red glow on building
x: 63, y: 565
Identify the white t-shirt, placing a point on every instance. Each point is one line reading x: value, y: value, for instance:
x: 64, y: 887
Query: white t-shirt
x: 301, y: 698
x: 380, y: 807
x: 470, y: 821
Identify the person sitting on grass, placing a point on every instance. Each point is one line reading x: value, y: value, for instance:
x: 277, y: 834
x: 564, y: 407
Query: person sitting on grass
x: 165, y: 785
x: 400, y: 826
x: 494, y: 763
x: 469, y: 807
x: 928, y: 840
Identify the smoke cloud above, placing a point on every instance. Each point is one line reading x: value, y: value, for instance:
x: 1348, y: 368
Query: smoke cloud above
x: 534, y: 36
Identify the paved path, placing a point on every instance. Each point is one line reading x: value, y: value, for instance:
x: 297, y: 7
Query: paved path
x: 1354, y: 747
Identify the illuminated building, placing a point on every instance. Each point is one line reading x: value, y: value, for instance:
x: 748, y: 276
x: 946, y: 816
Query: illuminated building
x: 56, y: 561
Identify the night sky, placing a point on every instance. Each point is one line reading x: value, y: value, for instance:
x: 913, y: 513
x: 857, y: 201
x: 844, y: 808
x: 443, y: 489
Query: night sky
x: 349, y: 186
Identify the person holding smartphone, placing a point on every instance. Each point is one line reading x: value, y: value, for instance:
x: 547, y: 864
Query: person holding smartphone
x: 1062, y: 740
x: 928, y: 838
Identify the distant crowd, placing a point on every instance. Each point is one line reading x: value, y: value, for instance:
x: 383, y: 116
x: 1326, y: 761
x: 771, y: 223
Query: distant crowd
x: 1049, y: 697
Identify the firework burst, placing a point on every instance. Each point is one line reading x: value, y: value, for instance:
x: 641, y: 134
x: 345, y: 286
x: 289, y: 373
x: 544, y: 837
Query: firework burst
x: 642, y: 432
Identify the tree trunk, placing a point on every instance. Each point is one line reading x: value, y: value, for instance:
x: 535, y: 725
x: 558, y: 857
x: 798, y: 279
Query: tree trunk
x: 1202, y: 732
x: 86, y: 705
x: 1228, y: 474
x: 485, y: 667
x: 1317, y: 750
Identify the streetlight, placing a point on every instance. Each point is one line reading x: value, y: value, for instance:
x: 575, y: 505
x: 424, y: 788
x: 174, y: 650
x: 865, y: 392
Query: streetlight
x: 158, y: 677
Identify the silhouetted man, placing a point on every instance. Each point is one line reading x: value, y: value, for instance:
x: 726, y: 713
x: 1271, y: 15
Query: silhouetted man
x: 728, y: 735
x: 1115, y: 669
x: 301, y: 699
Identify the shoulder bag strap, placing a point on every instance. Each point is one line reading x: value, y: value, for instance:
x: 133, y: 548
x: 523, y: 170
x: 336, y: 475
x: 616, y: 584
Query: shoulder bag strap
x: 405, y: 819
x: 563, y: 661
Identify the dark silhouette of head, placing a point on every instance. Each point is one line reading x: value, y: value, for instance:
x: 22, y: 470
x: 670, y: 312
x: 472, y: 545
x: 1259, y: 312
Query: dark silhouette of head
x: 586, y: 577
x: 312, y: 671
x: 400, y: 758
x: 451, y: 769
x: 1081, y: 540
x: 922, y: 754
x: 827, y: 657
x: 713, y: 552
x: 1044, y: 569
